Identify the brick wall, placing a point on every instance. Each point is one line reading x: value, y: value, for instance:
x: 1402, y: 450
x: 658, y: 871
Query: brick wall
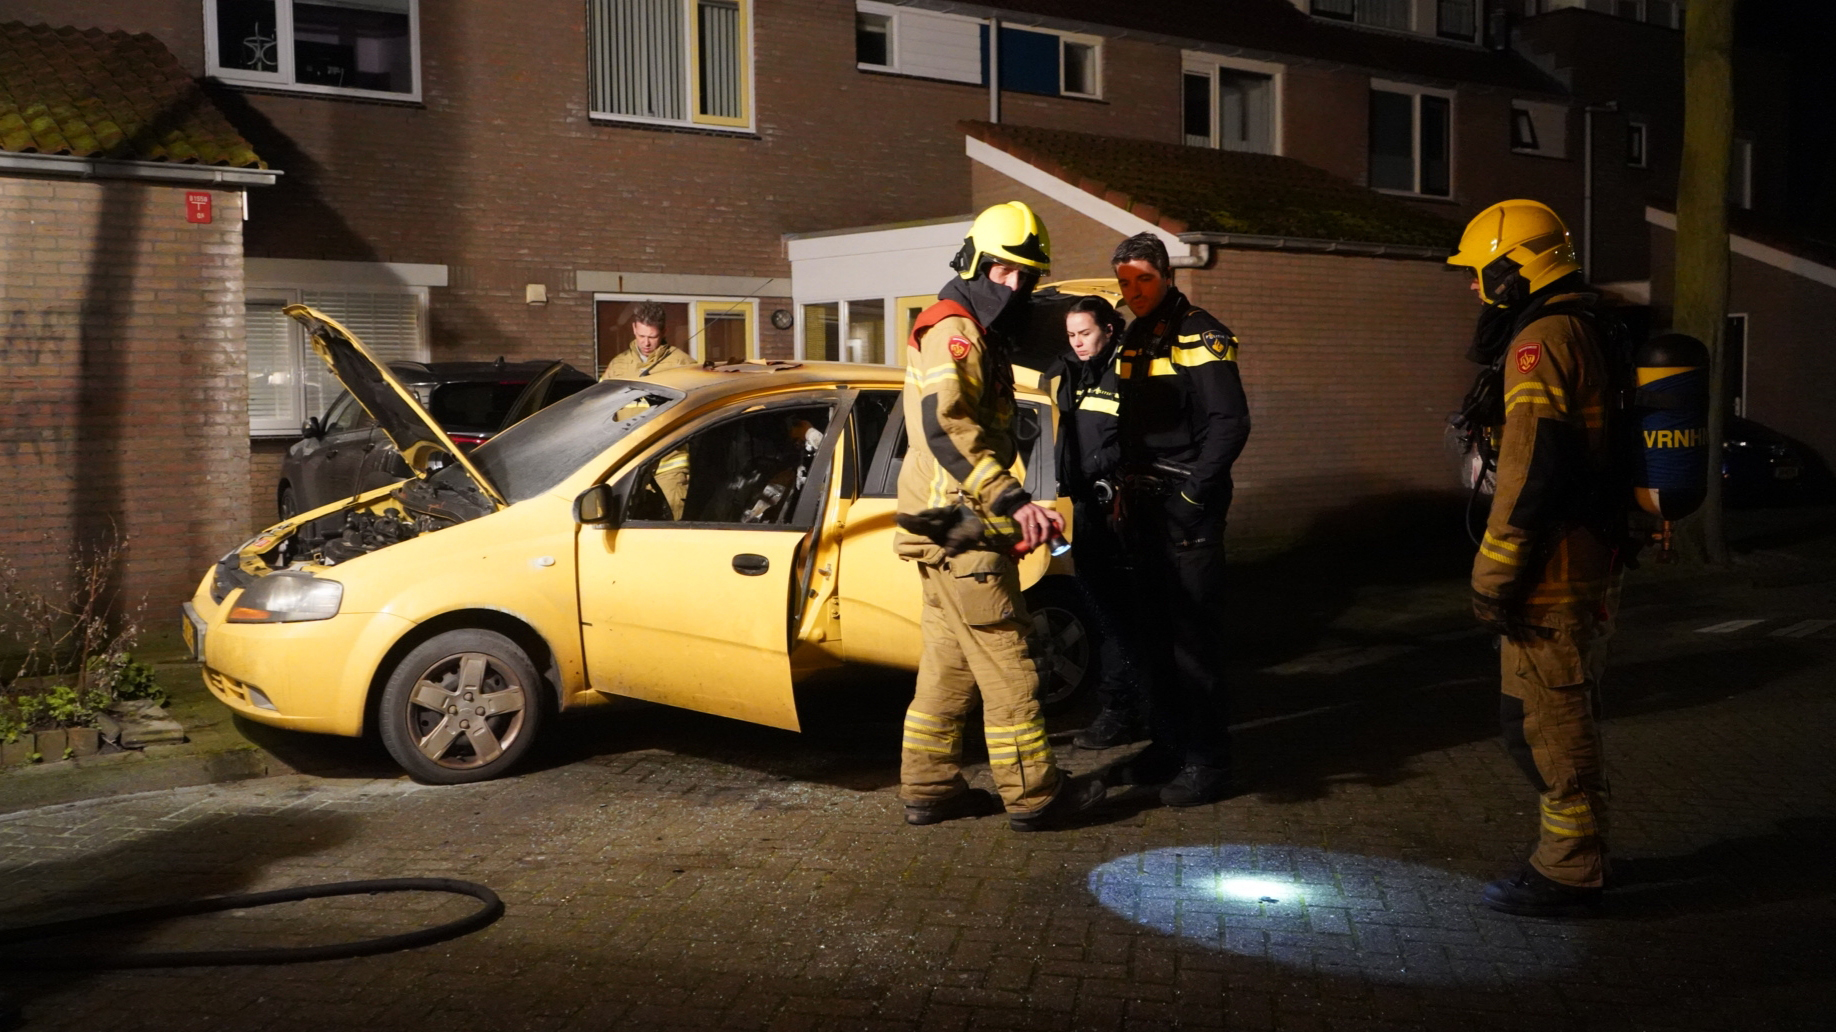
x: 125, y: 395
x: 1352, y: 366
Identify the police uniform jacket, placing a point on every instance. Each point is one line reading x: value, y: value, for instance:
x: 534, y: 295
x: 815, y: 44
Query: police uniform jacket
x: 630, y: 365
x: 1089, y: 443
x: 1544, y: 547
x: 1182, y: 397
x: 959, y: 416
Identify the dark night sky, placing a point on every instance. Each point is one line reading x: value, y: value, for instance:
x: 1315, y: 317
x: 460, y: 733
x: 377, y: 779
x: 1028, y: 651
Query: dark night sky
x: 1804, y: 31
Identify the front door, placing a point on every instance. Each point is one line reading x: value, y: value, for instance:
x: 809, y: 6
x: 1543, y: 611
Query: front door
x: 693, y: 599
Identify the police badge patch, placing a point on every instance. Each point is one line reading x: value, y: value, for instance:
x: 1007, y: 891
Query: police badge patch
x: 959, y: 348
x: 1219, y: 344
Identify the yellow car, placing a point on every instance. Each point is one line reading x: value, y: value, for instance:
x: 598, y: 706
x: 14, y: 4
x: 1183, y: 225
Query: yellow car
x: 702, y: 538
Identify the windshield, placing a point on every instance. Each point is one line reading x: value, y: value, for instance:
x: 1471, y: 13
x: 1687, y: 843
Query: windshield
x: 539, y: 452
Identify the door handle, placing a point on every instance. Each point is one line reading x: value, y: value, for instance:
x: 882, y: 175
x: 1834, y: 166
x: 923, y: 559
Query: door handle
x: 750, y: 565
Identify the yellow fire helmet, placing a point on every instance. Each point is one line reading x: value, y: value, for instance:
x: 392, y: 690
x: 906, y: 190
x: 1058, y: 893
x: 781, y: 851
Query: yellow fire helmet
x: 1008, y: 233
x: 1522, y: 237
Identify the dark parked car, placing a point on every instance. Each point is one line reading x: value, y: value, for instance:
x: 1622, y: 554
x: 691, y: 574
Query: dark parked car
x: 1762, y: 467
x: 342, y: 453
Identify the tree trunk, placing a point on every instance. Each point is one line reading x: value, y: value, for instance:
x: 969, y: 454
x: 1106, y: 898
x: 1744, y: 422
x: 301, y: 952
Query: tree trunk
x: 1701, y: 296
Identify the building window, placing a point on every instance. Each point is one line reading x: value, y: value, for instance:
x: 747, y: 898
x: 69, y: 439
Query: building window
x: 1456, y: 19
x: 1382, y: 14
x: 1230, y: 106
x: 1539, y: 128
x: 1636, y: 144
x: 846, y: 331
x: 1411, y: 142
x: 671, y: 61
x: 288, y: 383
x: 357, y: 47
x: 873, y: 47
x: 1050, y: 64
x: 1740, y: 173
x: 719, y: 330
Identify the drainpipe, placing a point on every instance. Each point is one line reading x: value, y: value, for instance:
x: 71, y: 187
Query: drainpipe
x: 1587, y: 183
x: 994, y: 70
x: 1200, y: 258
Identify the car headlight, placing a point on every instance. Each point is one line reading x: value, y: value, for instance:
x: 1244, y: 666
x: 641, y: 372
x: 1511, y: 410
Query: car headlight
x: 287, y: 598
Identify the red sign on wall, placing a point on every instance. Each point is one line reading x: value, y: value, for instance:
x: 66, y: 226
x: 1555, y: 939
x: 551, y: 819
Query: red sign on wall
x: 197, y: 206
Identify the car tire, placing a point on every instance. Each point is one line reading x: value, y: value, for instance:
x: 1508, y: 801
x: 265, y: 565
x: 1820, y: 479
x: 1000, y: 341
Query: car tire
x: 423, y: 718
x: 1064, y: 642
x: 289, y: 503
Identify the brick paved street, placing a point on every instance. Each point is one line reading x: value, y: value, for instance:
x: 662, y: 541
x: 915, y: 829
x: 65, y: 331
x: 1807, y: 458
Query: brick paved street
x: 667, y: 870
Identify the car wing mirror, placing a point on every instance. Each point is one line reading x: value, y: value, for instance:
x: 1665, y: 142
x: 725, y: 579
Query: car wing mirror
x: 313, y: 428
x: 597, y: 507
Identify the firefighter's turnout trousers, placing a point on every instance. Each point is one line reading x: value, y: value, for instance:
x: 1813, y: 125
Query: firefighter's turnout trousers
x: 1544, y: 563
x: 975, y: 636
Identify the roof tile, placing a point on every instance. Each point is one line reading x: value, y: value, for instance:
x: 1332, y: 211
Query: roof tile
x: 94, y: 94
x: 1198, y: 189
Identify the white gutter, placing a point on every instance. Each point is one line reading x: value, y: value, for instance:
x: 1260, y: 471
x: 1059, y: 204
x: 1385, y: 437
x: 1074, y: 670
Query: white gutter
x: 1255, y: 242
x: 1748, y: 248
x: 106, y: 168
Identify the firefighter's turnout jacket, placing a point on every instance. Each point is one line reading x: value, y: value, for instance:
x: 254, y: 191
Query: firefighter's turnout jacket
x: 672, y: 473
x: 1182, y: 397
x: 630, y: 365
x: 1546, y: 568
x: 1089, y: 404
x: 959, y: 418
x: 959, y: 415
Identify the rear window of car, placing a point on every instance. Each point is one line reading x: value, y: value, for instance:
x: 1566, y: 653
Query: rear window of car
x: 477, y: 406
x: 539, y: 452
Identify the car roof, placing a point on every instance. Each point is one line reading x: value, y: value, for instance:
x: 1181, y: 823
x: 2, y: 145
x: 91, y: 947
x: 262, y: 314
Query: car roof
x: 709, y: 382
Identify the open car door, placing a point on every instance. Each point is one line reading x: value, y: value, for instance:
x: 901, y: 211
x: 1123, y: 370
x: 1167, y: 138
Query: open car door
x: 693, y: 591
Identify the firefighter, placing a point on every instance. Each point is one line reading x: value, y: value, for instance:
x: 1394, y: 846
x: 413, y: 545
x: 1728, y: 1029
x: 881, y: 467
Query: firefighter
x: 1544, y: 578
x: 959, y: 405
x: 1089, y: 454
x: 1184, y: 420
x: 648, y: 353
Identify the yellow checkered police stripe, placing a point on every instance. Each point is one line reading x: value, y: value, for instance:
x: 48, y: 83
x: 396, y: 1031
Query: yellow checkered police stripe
x: 1576, y: 821
x: 1018, y: 742
x: 1201, y: 355
x: 1494, y: 547
x: 932, y: 734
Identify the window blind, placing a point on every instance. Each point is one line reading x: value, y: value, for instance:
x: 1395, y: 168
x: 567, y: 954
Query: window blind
x: 273, y: 380
x: 719, y: 58
x: 636, y: 52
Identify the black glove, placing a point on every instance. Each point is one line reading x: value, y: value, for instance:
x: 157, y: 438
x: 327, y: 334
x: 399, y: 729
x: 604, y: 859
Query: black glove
x: 1185, y: 519
x: 1493, y: 614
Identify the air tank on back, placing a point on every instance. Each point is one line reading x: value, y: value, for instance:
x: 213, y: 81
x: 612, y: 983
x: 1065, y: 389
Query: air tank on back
x: 1671, y: 462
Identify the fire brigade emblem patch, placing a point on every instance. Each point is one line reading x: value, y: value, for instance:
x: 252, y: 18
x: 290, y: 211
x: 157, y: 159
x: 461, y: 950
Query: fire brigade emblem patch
x: 1528, y: 355
x: 959, y: 348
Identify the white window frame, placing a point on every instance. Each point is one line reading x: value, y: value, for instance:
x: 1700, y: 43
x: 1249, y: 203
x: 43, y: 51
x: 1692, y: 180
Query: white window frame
x: 1644, y: 143
x: 1557, y: 115
x: 699, y: 305
x: 888, y: 307
x: 302, y: 351
x: 1741, y: 166
x: 1065, y: 40
x: 283, y: 78
x: 1415, y: 138
x: 891, y: 14
x: 747, y: 124
x: 895, y: 13
x: 1196, y: 62
x: 1746, y: 360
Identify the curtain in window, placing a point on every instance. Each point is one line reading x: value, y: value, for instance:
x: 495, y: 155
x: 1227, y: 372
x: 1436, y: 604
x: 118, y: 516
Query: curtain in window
x: 635, y: 51
x: 1456, y: 18
x: 719, y: 58
x: 1385, y: 14
x: 273, y: 388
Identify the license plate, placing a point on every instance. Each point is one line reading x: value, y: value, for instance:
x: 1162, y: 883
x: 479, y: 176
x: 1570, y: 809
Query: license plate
x: 192, y: 629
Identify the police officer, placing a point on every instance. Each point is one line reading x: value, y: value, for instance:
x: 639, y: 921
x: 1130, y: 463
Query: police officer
x: 1089, y: 452
x: 1544, y: 578
x: 650, y: 353
x: 1184, y: 420
x: 959, y: 410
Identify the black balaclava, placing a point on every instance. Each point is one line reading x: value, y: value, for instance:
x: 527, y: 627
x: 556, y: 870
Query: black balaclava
x: 994, y: 306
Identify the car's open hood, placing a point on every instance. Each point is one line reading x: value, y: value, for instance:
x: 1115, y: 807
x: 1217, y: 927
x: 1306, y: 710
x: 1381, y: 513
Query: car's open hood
x: 397, y: 414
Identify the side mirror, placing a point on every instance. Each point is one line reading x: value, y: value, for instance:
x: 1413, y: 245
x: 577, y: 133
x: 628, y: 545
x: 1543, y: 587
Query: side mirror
x: 597, y: 507
x: 313, y: 428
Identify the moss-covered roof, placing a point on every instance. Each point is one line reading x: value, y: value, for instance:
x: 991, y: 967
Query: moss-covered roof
x: 1202, y: 190
x: 94, y: 94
